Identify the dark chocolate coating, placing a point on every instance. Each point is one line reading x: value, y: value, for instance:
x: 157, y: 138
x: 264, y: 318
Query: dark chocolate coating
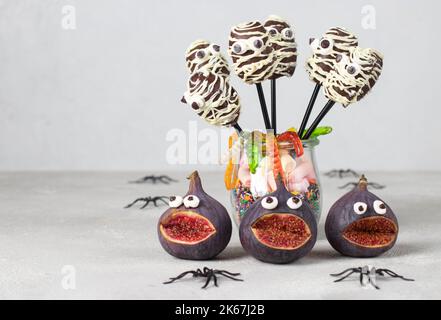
x: 273, y: 255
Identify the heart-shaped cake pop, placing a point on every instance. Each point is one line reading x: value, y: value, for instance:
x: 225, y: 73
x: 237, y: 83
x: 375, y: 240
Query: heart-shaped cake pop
x: 353, y: 76
x: 335, y: 41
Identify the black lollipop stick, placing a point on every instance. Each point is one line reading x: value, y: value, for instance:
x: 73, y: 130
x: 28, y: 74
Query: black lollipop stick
x: 309, y: 109
x: 319, y: 118
x: 263, y: 106
x: 273, y: 106
x: 237, y: 127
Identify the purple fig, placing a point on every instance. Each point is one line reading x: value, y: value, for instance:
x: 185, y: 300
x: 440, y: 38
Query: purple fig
x: 195, y: 226
x: 360, y: 224
x: 278, y: 228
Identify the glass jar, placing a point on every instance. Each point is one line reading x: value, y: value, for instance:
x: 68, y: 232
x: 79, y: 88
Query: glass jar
x: 248, y: 181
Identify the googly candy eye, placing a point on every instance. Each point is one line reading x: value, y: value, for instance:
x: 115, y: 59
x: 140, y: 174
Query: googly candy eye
x: 201, y: 54
x: 191, y: 201
x: 360, y: 207
x: 257, y: 43
x: 353, y: 69
x: 215, y: 47
x: 174, y: 201
x: 238, y: 47
x: 272, y: 32
x: 294, y: 203
x: 325, y: 43
x: 287, y: 34
x: 196, y: 102
x: 269, y: 203
x: 379, y: 207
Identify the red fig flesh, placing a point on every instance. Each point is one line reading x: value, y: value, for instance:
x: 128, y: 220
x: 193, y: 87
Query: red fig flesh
x: 281, y: 231
x: 187, y: 227
x: 371, y: 232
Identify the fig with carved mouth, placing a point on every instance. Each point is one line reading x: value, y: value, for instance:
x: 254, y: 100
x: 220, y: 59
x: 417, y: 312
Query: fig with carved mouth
x: 195, y: 226
x: 360, y: 224
x: 278, y: 228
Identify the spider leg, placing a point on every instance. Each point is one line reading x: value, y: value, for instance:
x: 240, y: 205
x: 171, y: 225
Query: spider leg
x: 147, y: 201
x: 347, y: 185
x: 229, y: 277
x: 209, y: 275
x: 162, y: 198
x: 227, y: 272
x: 168, y: 178
x: 344, y: 277
x: 392, y: 274
x: 180, y: 276
x: 376, y: 185
x: 344, y: 271
x: 137, y: 200
x: 214, y: 279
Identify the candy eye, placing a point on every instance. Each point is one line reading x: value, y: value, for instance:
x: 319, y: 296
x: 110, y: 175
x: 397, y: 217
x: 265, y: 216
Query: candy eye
x: 287, y: 34
x: 325, y: 43
x: 272, y: 32
x: 294, y: 203
x: 360, y: 207
x: 197, y: 102
x: 379, y: 207
x: 191, y: 201
x: 238, y: 48
x: 201, y: 54
x: 269, y: 202
x: 258, y: 43
x: 175, y: 201
x: 215, y: 48
x: 353, y: 69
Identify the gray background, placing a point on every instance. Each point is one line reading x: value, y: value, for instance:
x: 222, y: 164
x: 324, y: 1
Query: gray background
x: 104, y: 96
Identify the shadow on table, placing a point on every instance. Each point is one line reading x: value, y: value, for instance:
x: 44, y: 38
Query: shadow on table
x: 231, y: 253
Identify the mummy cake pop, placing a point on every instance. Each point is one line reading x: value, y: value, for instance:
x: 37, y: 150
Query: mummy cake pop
x: 335, y: 41
x: 203, y: 56
x: 251, y: 51
x: 213, y: 98
x: 282, y: 40
x: 354, y: 75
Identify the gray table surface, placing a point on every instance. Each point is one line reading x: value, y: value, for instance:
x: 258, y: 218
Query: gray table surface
x: 49, y: 220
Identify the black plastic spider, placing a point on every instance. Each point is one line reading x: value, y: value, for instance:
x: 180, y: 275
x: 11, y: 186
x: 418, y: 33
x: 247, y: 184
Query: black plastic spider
x: 154, y: 179
x: 374, y: 185
x: 148, y: 200
x: 207, y: 273
x: 368, y: 274
x: 341, y: 173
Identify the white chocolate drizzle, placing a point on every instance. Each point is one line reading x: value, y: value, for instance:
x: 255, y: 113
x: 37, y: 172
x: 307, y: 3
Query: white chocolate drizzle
x: 335, y: 41
x: 252, y: 54
x: 282, y: 40
x: 353, y: 76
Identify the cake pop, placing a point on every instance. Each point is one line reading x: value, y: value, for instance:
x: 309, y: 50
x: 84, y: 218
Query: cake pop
x: 282, y: 40
x: 213, y: 98
x: 354, y: 75
x: 251, y: 51
x: 204, y: 56
x: 335, y: 41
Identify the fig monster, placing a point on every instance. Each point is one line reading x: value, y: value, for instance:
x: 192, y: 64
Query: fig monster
x: 279, y: 227
x: 203, y: 56
x: 195, y: 226
x: 360, y: 224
